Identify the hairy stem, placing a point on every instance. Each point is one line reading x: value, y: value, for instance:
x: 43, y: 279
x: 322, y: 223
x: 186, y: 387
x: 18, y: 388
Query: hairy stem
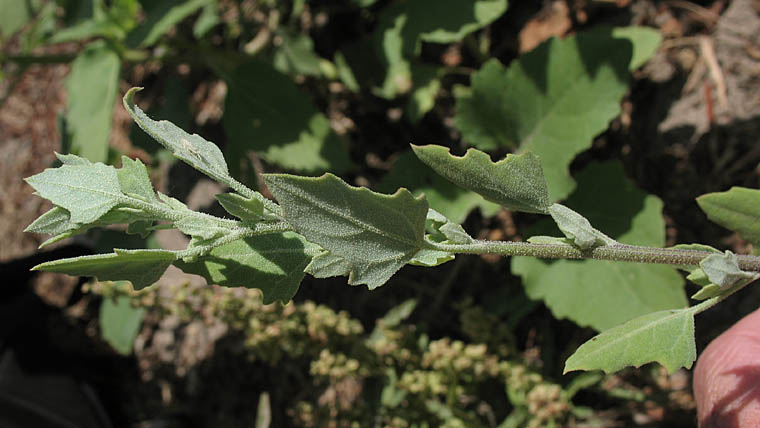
x: 239, y: 233
x: 616, y: 252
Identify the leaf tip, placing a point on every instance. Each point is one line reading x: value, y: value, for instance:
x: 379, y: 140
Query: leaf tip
x: 129, y: 95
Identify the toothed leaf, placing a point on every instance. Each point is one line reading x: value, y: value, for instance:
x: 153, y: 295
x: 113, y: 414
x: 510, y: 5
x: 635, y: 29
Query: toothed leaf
x: 376, y: 234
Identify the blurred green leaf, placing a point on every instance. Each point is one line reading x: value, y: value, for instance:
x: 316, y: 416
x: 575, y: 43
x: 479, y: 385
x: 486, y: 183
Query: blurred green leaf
x: 737, y: 209
x: 265, y: 112
x: 296, y: 55
x: 404, y: 25
x: 140, y: 267
x: 160, y: 17
x: 453, y: 202
x: 93, y: 19
x: 92, y: 85
x: 666, y: 337
x: 273, y: 263
x: 515, y: 182
x: 376, y: 234
x: 645, y: 42
x: 426, y: 83
x: 551, y: 101
x: 208, y: 19
x: 603, y: 294
x: 120, y: 322
x: 15, y: 14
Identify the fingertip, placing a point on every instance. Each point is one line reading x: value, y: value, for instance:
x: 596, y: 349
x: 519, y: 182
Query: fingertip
x: 727, y: 377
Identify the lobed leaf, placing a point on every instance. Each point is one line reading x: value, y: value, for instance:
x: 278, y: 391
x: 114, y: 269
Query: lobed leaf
x: 202, y: 155
x: 666, y: 337
x: 87, y: 192
x: 551, y: 101
x: 736, y: 209
x: 266, y: 112
x: 274, y: 263
x: 452, y: 201
x: 376, y: 234
x: 141, y: 267
x: 603, y: 294
x: 515, y: 182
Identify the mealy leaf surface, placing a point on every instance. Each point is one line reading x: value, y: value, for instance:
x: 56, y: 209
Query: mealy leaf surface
x: 515, y: 182
x: 273, y: 263
x: 140, y: 267
x: 666, y: 337
x: 737, y: 209
x: 376, y: 234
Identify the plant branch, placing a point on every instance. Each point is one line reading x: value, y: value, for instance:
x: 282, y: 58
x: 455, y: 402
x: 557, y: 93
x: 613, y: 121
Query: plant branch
x: 238, y: 233
x: 616, y: 252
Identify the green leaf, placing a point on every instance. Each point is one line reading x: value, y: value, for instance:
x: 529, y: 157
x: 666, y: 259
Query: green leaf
x: 85, y: 191
x: 666, y: 337
x: 426, y: 82
x: 515, y: 182
x: 376, y: 234
x: 296, y: 55
x: 120, y: 322
x: 429, y: 258
x: 193, y: 149
x: 15, y: 15
x: 708, y: 291
x: 453, y: 202
x: 723, y: 270
x: 92, y: 84
x: 552, y: 101
x: 274, y: 263
x: 603, y: 294
x: 404, y: 25
x: 207, y: 20
x: 246, y: 209
x: 455, y: 233
x: 577, y: 228
x: 54, y: 222
x: 160, y: 17
x: 645, y: 42
x: 134, y: 180
x: 737, y: 209
x: 141, y: 267
x: 265, y: 112
x: 326, y: 265
x: 71, y: 159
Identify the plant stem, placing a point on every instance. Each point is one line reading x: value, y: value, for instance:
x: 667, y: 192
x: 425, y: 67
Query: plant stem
x: 240, y: 233
x: 616, y: 252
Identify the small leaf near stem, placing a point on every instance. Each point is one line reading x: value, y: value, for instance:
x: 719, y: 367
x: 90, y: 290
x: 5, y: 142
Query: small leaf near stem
x: 192, y: 149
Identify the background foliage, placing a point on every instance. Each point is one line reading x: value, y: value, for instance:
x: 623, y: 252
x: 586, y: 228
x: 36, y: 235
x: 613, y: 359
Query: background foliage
x: 344, y: 86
